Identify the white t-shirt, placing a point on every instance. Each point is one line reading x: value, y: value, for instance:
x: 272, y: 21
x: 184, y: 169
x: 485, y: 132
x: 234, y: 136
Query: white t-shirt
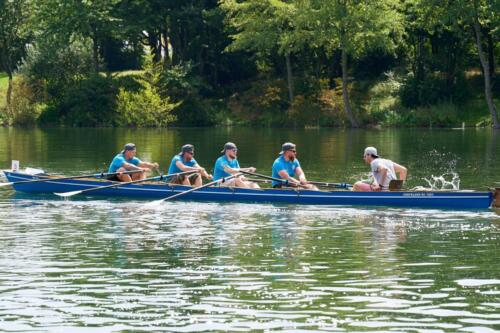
x: 391, y: 173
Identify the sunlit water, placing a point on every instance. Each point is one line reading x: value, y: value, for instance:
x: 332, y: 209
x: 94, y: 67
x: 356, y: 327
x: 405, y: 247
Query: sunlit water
x: 87, y: 265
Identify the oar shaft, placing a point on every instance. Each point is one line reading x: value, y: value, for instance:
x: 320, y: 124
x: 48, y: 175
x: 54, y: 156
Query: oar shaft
x: 102, y: 174
x: 137, y: 181
x: 222, y: 180
x: 326, y: 184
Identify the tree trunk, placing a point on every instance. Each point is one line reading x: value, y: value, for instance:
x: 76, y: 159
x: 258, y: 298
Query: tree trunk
x: 95, y: 54
x: 345, y: 93
x: 486, y: 73
x: 166, y: 51
x: 9, y: 95
x: 491, y: 53
x: 289, y: 77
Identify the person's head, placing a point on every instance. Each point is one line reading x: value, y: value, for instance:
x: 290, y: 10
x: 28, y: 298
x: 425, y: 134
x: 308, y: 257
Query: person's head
x: 230, y: 150
x: 129, y: 151
x: 370, y: 154
x: 289, y: 151
x: 187, y: 152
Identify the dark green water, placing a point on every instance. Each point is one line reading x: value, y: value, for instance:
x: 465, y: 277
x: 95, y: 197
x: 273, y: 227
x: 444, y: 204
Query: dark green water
x: 89, y: 265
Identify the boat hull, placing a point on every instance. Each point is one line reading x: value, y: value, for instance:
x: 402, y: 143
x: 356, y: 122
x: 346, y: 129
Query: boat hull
x: 441, y: 199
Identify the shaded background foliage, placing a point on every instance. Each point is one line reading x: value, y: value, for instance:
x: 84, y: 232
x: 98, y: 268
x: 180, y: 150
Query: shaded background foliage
x: 254, y: 62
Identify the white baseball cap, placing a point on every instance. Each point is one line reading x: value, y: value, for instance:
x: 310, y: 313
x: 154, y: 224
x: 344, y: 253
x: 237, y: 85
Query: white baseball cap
x: 371, y: 151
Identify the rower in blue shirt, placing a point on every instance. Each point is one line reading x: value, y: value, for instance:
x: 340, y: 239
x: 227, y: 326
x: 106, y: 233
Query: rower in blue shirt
x: 287, y: 167
x: 184, y: 161
x: 126, y: 161
x: 228, y: 165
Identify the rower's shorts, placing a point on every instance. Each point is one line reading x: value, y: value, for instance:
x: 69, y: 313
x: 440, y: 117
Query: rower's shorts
x: 113, y: 178
x: 180, y: 178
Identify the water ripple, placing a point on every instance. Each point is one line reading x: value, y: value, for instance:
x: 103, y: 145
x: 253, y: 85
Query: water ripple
x: 99, y: 265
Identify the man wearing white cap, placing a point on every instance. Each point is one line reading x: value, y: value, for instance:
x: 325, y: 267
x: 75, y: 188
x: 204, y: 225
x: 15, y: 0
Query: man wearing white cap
x: 383, y: 171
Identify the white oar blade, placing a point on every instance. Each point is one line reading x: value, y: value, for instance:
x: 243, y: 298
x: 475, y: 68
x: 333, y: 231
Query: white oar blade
x: 68, y: 194
x: 154, y: 204
x: 6, y: 184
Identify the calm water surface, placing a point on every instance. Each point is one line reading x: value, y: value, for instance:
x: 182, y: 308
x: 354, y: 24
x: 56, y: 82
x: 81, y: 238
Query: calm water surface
x: 87, y: 265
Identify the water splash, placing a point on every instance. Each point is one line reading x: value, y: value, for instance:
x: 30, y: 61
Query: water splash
x: 449, y: 181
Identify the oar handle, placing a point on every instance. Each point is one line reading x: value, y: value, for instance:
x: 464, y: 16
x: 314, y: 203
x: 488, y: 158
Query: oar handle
x: 284, y: 181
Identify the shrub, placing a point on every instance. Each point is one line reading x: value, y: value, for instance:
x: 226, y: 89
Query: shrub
x: 87, y: 102
x: 23, y: 105
x: 144, y: 108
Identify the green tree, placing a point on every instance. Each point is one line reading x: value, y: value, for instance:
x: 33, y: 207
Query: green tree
x: 473, y: 20
x: 14, y: 35
x: 264, y: 26
x: 351, y: 27
x: 67, y: 19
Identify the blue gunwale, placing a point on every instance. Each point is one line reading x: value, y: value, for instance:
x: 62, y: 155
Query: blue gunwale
x: 436, y: 199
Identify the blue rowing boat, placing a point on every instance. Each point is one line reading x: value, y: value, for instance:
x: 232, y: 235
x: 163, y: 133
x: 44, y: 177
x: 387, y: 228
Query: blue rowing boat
x: 160, y: 190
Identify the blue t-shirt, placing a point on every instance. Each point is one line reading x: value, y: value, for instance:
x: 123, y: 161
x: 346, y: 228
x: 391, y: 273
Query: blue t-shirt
x: 119, y: 160
x: 173, y: 165
x: 221, y: 163
x: 281, y: 164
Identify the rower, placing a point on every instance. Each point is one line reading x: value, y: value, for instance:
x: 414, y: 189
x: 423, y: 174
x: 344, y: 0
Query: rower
x: 184, y: 161
x: 287, y: 167
x: 228, y: 165
x: 126, y: 161
x: 383, y: 171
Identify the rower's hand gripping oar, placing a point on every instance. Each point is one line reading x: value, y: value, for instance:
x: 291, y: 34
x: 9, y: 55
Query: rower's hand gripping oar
x: 284, y: 181
x: 219, y: 181
x: 72, y: 193
x: 94, y: 175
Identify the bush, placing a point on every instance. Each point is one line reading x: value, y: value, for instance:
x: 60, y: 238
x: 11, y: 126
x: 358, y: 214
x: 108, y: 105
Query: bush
x: 433, y: 90
x: 87, y: 102
x: 190, y: 91
x: 23, y: 104
x: 58, y: 66
x: 144, y: 108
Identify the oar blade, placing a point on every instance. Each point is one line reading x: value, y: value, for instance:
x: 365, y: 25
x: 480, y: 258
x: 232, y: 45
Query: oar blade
x: 154, y: 204
x: 6, y: 184
x: 68, y: 194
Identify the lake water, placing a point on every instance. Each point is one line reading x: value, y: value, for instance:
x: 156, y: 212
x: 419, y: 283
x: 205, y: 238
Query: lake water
x: 98, y: 265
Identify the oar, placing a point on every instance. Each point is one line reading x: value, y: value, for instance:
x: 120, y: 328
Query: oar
x: 219, y: 181
x: 334, y: 185
x: 72, y: 193
x: 95, y: 175
x: 283, y: 181
x: 321, y: 184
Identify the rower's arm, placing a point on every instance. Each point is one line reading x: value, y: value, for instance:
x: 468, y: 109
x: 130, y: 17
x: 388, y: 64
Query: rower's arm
x: 183, y: 167
x: 202, y: 170
x: 249, y: 169
x: 300, y: 174
x: 284, y: 175
x: 131, y: 167
x: 403, y: 172
x: 231, y: 170
x: 148, y: 165
x: 383, y: 172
